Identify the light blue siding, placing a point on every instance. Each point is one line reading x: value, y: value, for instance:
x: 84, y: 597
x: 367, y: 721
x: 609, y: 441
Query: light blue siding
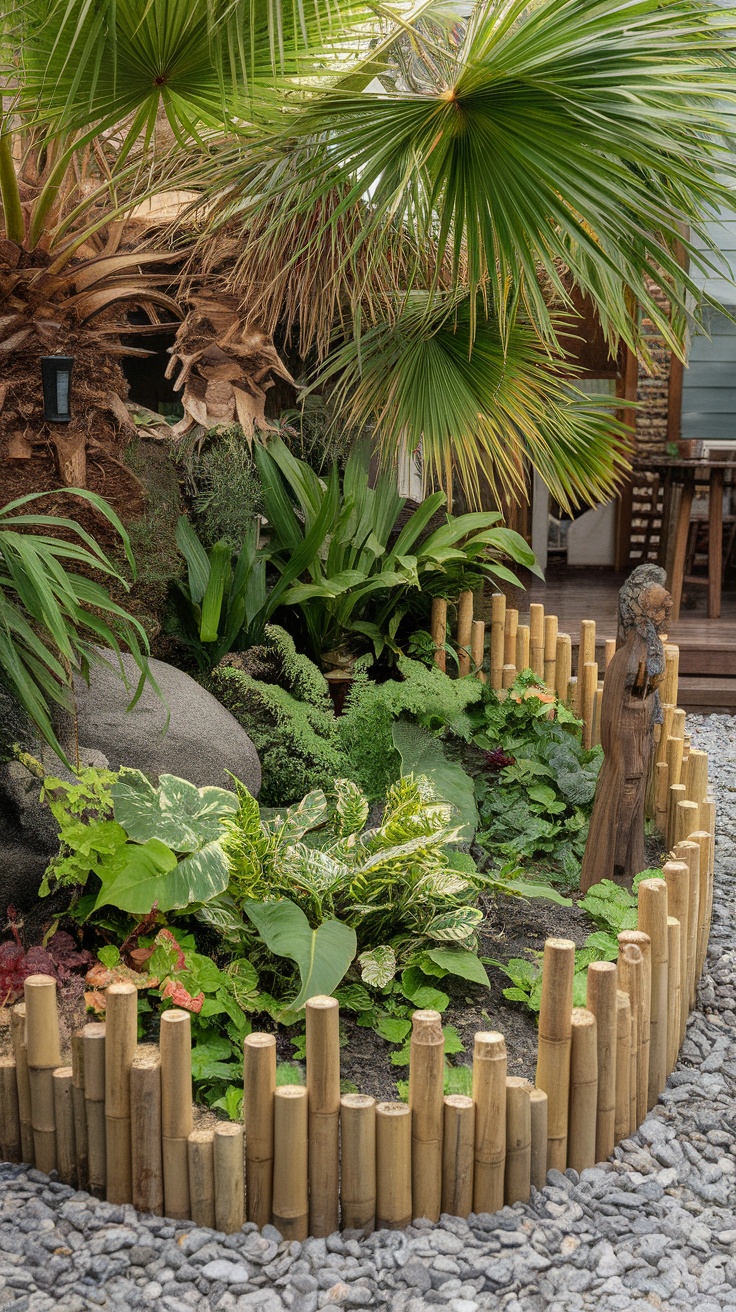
x: 709, y: 383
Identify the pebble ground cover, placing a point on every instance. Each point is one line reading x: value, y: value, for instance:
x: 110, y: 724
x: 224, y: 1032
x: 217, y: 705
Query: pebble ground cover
x: 655, y: 1227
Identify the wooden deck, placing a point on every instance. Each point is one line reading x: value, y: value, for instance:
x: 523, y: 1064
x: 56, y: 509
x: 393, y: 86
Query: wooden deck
x: 707, y: 647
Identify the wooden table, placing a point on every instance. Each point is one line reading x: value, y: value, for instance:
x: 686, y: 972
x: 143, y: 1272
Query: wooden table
x: 673, y: 550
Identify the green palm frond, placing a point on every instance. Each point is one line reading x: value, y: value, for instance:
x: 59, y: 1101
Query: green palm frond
x: 478, y: 403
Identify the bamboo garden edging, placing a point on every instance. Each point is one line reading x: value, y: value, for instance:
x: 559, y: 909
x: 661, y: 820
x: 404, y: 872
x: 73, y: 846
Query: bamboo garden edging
x: 119, y: 1120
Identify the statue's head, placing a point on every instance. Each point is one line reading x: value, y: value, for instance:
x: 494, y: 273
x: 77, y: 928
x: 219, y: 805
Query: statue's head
x: 644, y: 602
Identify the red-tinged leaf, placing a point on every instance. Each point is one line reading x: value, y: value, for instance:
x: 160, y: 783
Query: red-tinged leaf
x: 181, y: 998
x: 95, y: 1001
x: 166, y: 936
x: 137, y: 957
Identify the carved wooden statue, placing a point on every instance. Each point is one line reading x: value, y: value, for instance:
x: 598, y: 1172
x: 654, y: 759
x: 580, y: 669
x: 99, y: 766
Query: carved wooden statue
x: 629, y: 711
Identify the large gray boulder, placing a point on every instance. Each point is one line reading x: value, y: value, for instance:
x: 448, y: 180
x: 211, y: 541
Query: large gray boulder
x: 203, y: 742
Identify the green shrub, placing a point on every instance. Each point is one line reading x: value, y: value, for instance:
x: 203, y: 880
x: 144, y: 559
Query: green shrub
x: 224, y: 485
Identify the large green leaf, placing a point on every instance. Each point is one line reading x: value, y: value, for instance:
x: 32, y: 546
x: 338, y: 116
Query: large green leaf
x: 459, y: 962
x: 177, y: 812
x: 148, y: 874
x: 323, y: 955
x: 454, y: 926
x: 422, y: 754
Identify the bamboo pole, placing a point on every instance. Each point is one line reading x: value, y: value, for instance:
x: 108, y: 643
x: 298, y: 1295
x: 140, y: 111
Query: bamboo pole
x: 477, y: 649
x: 358, y: 1162
x: 147, y: 1170
x: 290, y: 1181
x: 677, y: 794
x: 553, y: 1053
x: 538, y: 1103
x: 93, y: 1043
x: 636, y: 979
x: 523, y: 647
x: 511, y: 624
x: 426, y: 1083
x: 66, y: 1152
x: 572, y: 693
x: 622, y: 1125
x: 676, y: 875
x: 201, y: 1164
x: 609, y: 652
x: 661, y: 796
x: 674, y: 940
x: 394, y: 1209
x: 702, y: 838
x: 671, y: 671
x: 457, y: 1155
x: 673, y: 757
x: 536, y: 638
x: 689, y: 852
x: 678, y: 722
x: 601, y: 1002
x: 498, y: 625
x: 489, y: 1096
x: 259, y: 1087
x: 563, y: 666
x: 10, y: 1140
x: 44, y: 1055
x: 707, y: 825
x: 508, y: 674
x: 517, y: 1185
x: 590, y: 683
x: 323, y: 1093
x: 176, y: 1109
x: 438, y: 625
x: 18, y: 1032
x: 587, y: 643
x: 80, y: 1113
x: 551, y: 626
x: 687, y: 815
x: 652, y: 920
x: 120, y: 1045
x: 595, y: 733
x: 686, y: 749
x: 697, y: 775
x: 583, y: 1090
x: 230, y: 1176
x: 464, y: 631
x: 665, y: 731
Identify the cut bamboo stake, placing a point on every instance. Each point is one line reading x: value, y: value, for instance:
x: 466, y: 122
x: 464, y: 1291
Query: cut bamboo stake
x: 661, y: 796
x: 517, y: 1184
x: 80, y: 1114
x: 687, y: 817
x: 595, y: 733
x: 674, y: 939
x: 426, y: 1083
x: 671, y: 671
x: 438, y: 624
x: 586, y: 656
x: 702, y: 838
x: 652, y: 920
x: 631, y: 979
x: 686, y: 749
x: 590, y: 683
x: 147, y: 1170
x: 678, y: 722
x: 477, y: 649
x: 622, y: 1123
x: 464, y: 631
x: 689, y: 851
x: 538, y: 1103
x: 120, y: 1045
x: 563, y: 666
x: 676, y: 875
x: 393, y: 1166
x: 553, y: 1053
x: 323, y: 1096
x: 673, y: 757
x: 498, y: 624
x: 523, y: 647
x: 93, y: 1042
x: 511, y: 624
x: 572, y: 694
x: 290, y: 1180
x: 230, y: 1179
x: 201, y: 1162
x: 601, y: 1001
x: 677, y: 794
x: 609, y: 652
x: 536, y: 638
x: 665, y: 730
x: 358, y: 1162
x: 640, y: 979
x: 583, y: 1090
x: 10, y: 1140
x: 259, y: 1086
x: 707, y: 824
x: 18, y: 1031
x: 697, y: 775
x: 489, y: 1096
x: 457, y: 1155
x: 508, y: 674
x: 66, y: 1153
x: 176, y: 1109
x: 44, y: 1054
x: 550, y: 651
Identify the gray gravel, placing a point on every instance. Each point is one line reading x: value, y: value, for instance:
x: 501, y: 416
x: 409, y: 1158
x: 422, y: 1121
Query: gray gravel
x: 653, y: 1228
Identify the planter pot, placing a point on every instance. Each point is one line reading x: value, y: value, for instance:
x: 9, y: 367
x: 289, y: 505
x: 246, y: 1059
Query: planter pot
x: 689, y: 448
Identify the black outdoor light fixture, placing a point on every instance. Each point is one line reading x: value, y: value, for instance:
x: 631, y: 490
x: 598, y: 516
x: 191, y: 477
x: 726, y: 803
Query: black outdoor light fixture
x: 56, y: 373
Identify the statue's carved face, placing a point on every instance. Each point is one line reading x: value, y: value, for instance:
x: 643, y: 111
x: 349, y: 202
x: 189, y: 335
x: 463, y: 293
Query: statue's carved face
x: 654, y: 604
